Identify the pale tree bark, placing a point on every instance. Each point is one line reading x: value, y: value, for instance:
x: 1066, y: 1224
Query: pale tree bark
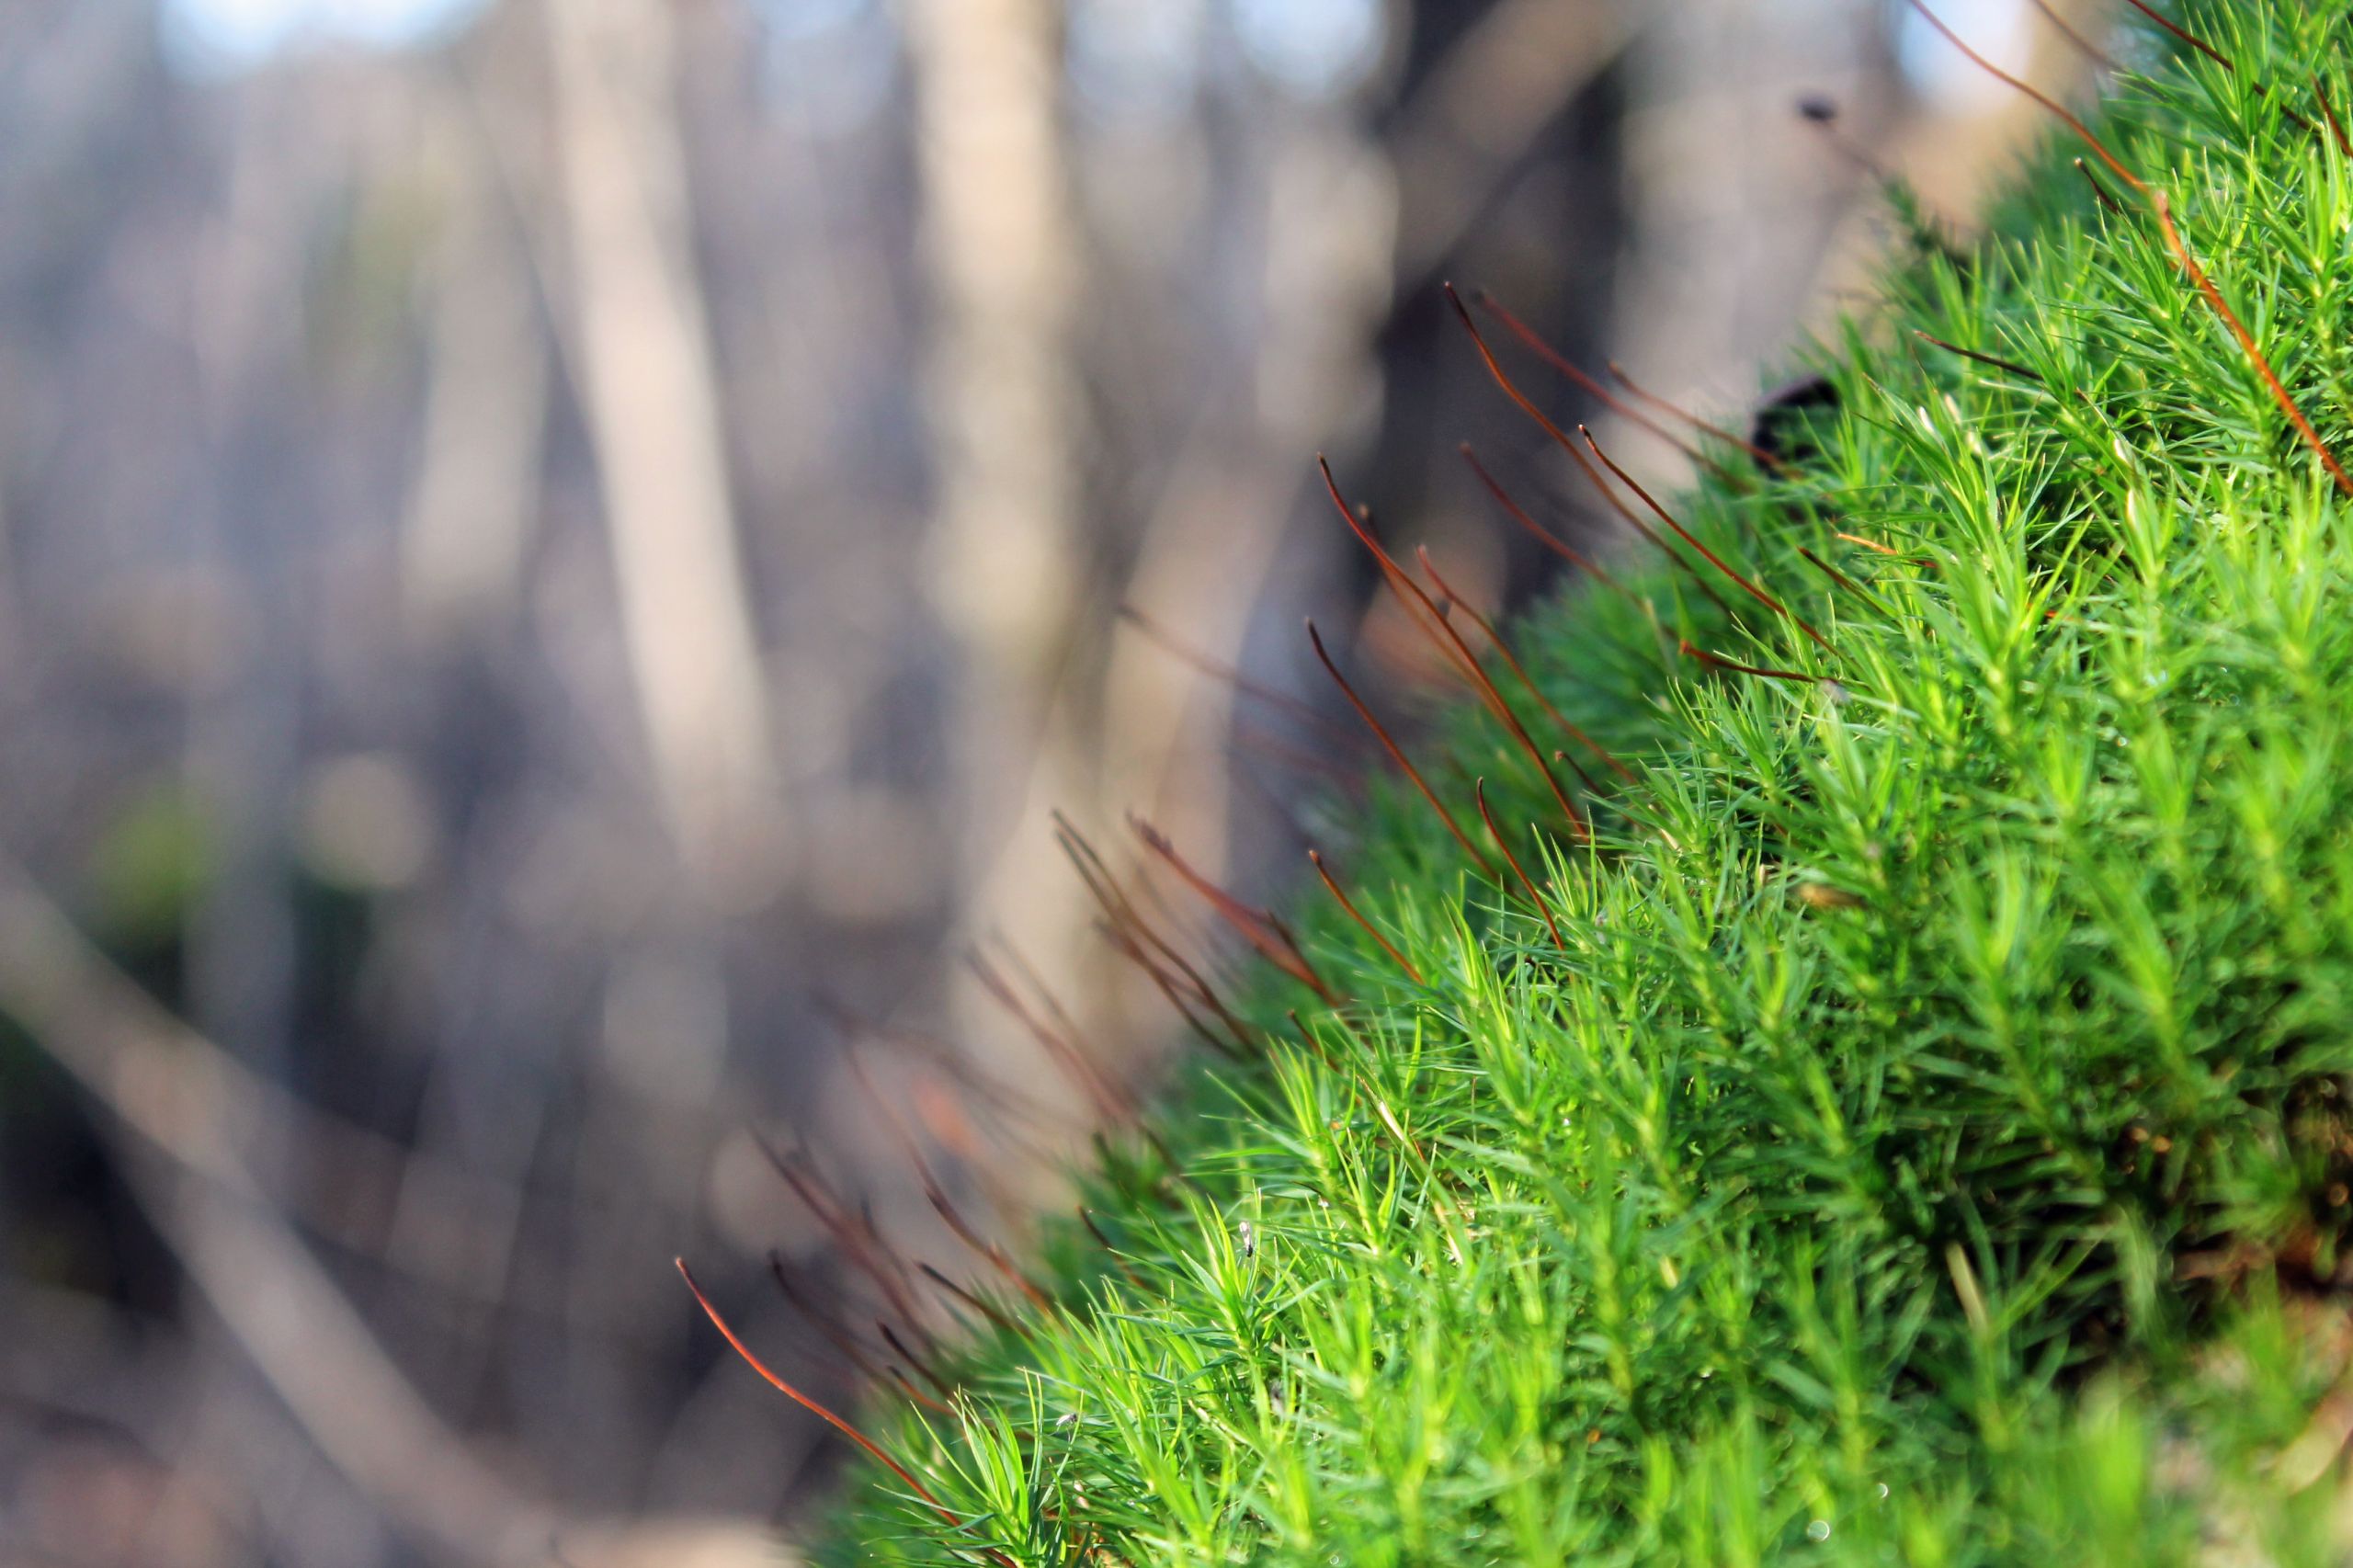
x: 1486, y: 102
x: 1739, y: 201
x: 1964, y: 144
x: 642, y: 343
x: 1210, y: 543
x: 1350, y: 221
x: 478, y: 478
x: 1001, y: 248
x: 1752, y: 223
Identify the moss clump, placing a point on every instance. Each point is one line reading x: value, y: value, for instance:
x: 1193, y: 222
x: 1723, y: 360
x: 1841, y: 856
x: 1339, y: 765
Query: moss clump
x: 1927, y: 1140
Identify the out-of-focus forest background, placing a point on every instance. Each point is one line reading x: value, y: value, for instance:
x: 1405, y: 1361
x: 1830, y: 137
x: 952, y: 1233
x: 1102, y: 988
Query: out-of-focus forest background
x: 555, y: 558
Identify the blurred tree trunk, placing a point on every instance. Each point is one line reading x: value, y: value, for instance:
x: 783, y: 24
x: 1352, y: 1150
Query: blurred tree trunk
x: 1507, y: 131
x: 477, y: 487
x: 1750, y: 221
x: 1217, y: 562
x: 1002, y: 252
x: 1744, y: 210
x: 651, y: 393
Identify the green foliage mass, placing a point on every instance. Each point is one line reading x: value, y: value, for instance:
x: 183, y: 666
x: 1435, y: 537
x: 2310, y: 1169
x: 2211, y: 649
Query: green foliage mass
x: 1926, y: 1142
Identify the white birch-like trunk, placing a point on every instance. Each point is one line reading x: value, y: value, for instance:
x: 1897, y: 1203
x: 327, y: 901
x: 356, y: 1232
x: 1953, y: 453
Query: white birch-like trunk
x: 644, y: 357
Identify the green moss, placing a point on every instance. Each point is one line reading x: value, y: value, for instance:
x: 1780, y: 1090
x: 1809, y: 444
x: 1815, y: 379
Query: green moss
x: 1926, y: 1142
x: 151, y: 867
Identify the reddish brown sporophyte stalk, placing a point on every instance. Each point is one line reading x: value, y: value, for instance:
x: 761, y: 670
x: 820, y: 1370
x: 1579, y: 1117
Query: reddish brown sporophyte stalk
x: 1845, y: 581
x: 933, y: 1189
x: 1526, y: 881
x: 1873, y: 545
x: 845, y: 1344
x: 1086, y: 1217
x: 997, y: 1315
x: 2011, y: 367
x: 1589, y: 386
x: 1131, y: 934
x: 1065, y: 1025
x: 2328, y: 113
x: 989, y: 1252
x: 1165, y: 983
x: 1260, y: 927
x: 1541, y: 534
x: 1165, y: 980
x: 1396, y: 752
x: 1008, y: 1102
x: 2247, y: 342
x: 1718, y: 661
x: 2098, y: 190
x: 1257, y: 743
x: 1112, y: 1103
x: 1176, y: 648
x: 1718, y: 561
x: 1370, y: 929
x: 891, y: 1337
x: 828, y: 1417
x: 1420, y: 613
x: 1487, y: 630
x: 1767, y: 459
x: 857, y: 1240
x: 2067, y: 116
x: 2201, y: 45
x: 1450, y: 641
x: 1450, y: 602
x: 1561, y: 438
